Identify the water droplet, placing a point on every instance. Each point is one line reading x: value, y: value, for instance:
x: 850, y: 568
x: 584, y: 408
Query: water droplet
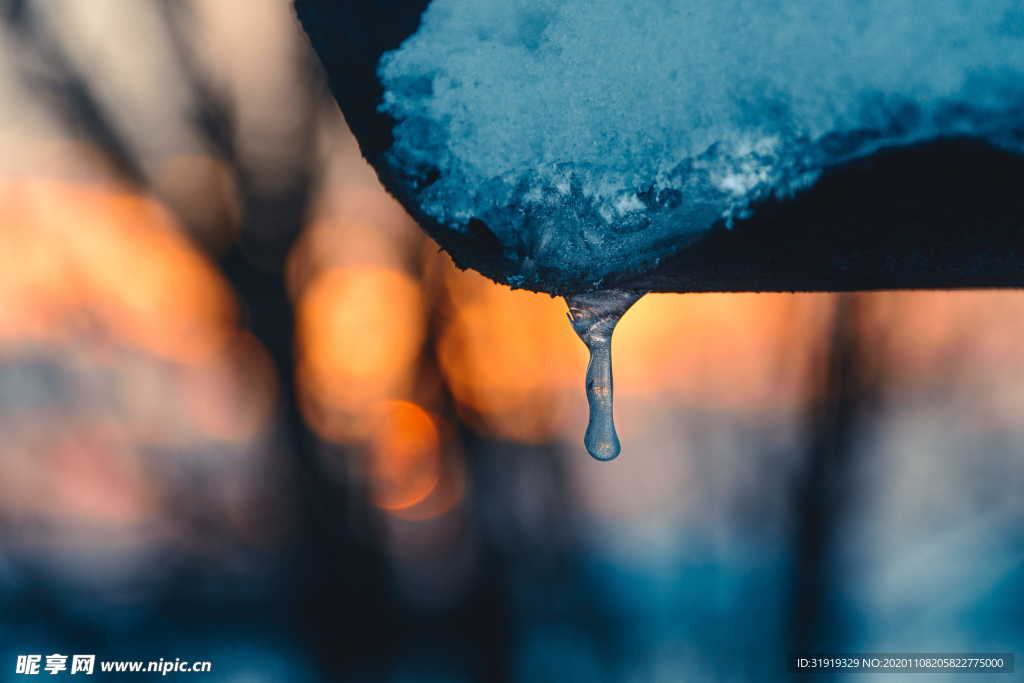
x: 593, y: 317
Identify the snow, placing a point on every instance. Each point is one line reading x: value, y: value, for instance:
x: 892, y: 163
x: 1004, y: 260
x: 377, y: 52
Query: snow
x: 596, y: 136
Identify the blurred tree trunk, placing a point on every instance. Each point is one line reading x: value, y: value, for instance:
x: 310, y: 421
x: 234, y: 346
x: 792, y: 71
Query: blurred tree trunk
x: 823, y: 494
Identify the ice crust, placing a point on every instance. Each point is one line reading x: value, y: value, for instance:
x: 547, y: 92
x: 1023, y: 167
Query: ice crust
x: 594, y: 137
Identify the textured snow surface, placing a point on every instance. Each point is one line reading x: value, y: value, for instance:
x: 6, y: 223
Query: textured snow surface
x: 598, y: 136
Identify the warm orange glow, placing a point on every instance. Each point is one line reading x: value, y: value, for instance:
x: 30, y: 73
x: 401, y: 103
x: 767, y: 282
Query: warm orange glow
x: 720, y: 348
x: 405, y: 455
x: 514, y: 364
x: 359, y: 331
x: 509, y: 356
x: 116, y: 255
x: 104, y: 280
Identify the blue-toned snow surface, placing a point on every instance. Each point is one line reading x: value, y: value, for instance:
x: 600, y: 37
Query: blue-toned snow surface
x: 597, y: 136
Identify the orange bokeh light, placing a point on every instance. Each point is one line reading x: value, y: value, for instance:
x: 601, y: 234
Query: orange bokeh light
x: 116, y: 255
x: 405, y: 455
x: 360, y: 329
x: 509, y: 357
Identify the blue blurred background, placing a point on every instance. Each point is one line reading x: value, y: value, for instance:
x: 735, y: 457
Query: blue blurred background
x: 250, y: 414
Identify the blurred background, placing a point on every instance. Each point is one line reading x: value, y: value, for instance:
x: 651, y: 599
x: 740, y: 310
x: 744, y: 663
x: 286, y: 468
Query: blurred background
x: 250, y: 413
